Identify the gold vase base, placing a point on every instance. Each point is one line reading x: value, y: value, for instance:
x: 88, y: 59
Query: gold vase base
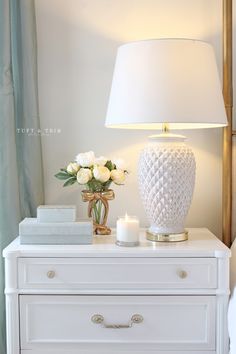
x: 167, y: 237
x: 101, y: 229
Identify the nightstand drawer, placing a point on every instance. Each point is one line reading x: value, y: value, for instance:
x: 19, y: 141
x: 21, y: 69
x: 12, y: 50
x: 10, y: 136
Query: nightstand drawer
x: 114, y: 351
x: 117, y: 273
x: 91, y: 322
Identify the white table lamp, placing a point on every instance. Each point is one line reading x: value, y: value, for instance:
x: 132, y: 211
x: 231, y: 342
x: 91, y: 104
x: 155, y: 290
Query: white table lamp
x: 166, y: 84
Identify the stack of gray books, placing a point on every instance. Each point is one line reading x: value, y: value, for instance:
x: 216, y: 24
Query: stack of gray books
x: 56, y: 225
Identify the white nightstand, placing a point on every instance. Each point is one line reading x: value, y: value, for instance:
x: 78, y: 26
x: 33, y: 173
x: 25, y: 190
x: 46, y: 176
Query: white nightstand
x: 176, y: 295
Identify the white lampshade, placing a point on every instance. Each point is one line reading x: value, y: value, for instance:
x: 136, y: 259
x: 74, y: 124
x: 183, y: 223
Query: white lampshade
x: 172, y: 81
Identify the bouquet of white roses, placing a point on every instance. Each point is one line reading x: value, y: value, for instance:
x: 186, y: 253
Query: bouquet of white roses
x: 96, y: 173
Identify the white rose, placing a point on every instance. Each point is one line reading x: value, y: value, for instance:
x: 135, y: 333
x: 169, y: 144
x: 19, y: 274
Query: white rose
x: 85, y: 159
x: 101, y: 161
x: 101, y: 173
x: 72, y: 168
x: 118, y: 176
x: 120, y: 164
x: 84, y: 175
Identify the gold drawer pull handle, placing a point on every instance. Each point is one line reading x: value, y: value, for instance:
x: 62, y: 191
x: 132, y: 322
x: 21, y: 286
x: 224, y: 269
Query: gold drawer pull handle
x: 51, y: 274
x: 183, y: 274
x: 99, y: 319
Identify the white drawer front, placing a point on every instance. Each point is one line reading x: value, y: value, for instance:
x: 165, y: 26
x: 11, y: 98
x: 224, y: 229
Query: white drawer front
x: 169, y: 322
x: 104, y: 351
x: 118, y: 273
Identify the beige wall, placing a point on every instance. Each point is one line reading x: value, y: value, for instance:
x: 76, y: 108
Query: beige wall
x: 234, y: 125
x: 77, y: 43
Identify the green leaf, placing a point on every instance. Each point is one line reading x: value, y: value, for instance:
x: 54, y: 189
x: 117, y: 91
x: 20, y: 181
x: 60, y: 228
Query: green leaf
x: 107, y: 184
x: 69, y: 182
x: 95, y: 186
x: 63, y: 169
x: 110, y: 165
x: 62, y: 175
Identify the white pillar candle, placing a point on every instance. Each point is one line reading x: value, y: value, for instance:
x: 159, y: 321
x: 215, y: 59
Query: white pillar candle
x: 127, y: 231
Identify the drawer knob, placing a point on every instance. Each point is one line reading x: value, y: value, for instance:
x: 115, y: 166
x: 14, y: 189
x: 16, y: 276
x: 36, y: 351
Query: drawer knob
x: 99, y: 319
x: 51, y: 274
x: 182, y: 274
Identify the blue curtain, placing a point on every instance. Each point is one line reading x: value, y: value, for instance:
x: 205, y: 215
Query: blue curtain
x: 21, y: 173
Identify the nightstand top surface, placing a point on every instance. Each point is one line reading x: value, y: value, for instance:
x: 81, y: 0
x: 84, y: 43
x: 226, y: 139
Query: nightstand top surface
x: 201, y: 243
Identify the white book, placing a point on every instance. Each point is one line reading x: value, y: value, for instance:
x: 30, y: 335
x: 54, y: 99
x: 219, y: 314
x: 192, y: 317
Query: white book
x: 56, y: 213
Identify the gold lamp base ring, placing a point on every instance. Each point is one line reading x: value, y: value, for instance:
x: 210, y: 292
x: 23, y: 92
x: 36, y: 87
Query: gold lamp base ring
x: 167, y: 237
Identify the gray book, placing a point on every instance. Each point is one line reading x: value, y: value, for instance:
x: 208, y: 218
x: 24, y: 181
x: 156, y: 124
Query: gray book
x: 31, y: 226
x: 56, y: 239
x: 33, y: 232
x: 56, y: 213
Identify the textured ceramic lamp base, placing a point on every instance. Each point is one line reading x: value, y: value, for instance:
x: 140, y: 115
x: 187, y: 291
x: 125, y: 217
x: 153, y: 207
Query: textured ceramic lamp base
x: 166, y: 180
